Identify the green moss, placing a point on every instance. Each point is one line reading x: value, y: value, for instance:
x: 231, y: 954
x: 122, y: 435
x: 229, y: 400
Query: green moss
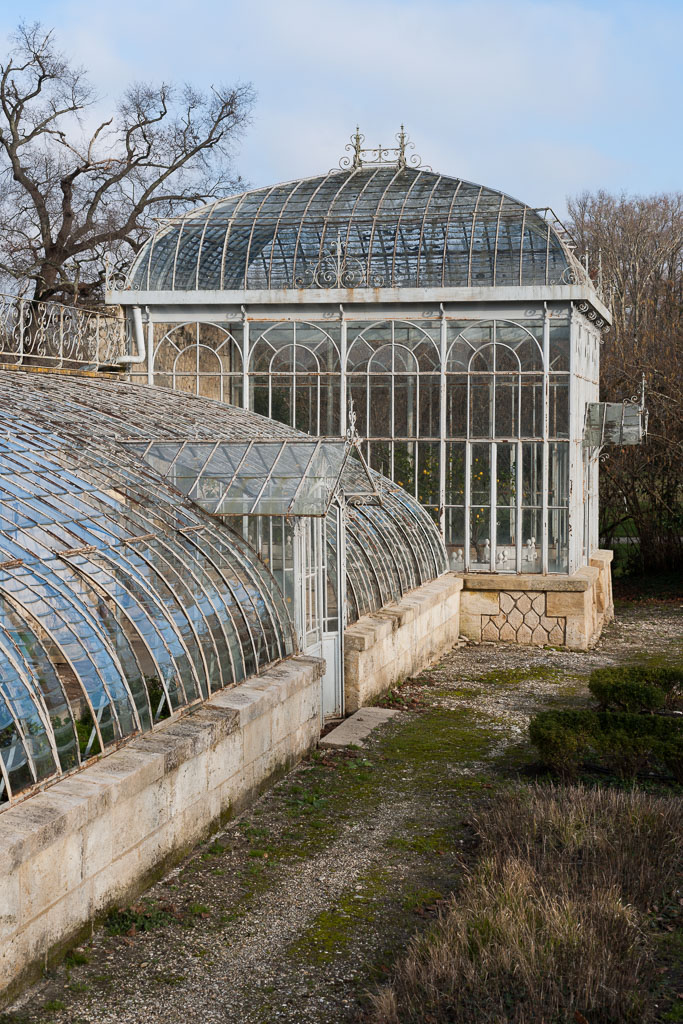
x: 75, y: 957
x: 421, y: 899
x: 457, y: 691
x: 513, y: 676
x: 435, y: 842
x: 172, y: 980
x: 198, y: 910
x: 144, y: 917
x: 333, y: 930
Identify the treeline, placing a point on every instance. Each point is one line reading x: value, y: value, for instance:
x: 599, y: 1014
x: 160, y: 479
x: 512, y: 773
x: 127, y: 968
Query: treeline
x: 639, y: 242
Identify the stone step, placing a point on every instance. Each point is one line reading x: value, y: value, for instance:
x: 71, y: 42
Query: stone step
x: 356, y: 729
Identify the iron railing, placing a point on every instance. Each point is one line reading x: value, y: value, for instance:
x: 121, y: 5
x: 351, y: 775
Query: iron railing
x: 34, y: 333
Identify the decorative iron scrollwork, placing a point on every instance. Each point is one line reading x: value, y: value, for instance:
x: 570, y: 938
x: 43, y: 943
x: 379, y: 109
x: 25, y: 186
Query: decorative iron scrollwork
x: 50, y: 334
x: 338, y: 269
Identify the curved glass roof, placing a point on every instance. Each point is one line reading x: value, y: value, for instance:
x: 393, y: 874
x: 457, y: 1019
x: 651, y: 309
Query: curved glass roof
x: 390, y: 549
x: 375, y: 226
x: 121, y: 600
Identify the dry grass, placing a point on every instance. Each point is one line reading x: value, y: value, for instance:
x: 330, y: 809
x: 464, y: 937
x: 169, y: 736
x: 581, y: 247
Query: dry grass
x: 581, y: 839
x: 548, y: 927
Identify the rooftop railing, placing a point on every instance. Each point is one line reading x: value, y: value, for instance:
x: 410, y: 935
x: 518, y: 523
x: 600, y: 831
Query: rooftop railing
x: 49, y: 334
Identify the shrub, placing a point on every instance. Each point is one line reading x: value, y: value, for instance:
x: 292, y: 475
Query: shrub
x: 623, y: 741
x: 562, y: 747
x: 636, y: 687
x: 626, y: 695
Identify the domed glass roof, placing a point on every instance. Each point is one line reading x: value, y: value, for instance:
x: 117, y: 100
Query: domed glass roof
x: 367, y: 227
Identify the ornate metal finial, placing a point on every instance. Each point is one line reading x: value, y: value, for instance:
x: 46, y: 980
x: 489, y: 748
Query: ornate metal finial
x: 401, y: 138
x: 358, y: 141
x: 398, y: 155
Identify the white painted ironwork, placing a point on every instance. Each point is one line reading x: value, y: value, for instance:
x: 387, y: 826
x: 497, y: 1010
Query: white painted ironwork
x: 34, y: 333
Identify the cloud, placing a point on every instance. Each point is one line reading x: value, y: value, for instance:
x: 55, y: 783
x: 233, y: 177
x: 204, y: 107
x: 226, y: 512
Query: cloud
x: 536, y: 97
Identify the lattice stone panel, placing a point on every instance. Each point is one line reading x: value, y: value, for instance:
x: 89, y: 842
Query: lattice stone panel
x: 522, y: 619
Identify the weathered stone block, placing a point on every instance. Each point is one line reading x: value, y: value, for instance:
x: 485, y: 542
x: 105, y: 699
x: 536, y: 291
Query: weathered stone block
x: 474, y: 602
x: 489, y: 630
x: 524, y: 635
x: 515, y: 618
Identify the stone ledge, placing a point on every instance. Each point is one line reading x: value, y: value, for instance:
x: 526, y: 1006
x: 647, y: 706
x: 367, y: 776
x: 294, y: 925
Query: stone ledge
x: 365, y: 633
x: 400, y: 640
x: 99, y: 836
x: 601, y: 558
x: 583, y: 579
x: 43, y: 818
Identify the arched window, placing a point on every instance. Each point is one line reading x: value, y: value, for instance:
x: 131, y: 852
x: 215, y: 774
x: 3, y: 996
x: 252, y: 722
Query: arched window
x: 495, y: 436
x: 200, y: 358
x: 393, y: 373
x: 295, y: 375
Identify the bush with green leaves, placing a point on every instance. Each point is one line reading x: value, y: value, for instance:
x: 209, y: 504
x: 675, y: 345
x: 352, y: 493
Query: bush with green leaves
x: 637, y: 687
x: 622, y: 741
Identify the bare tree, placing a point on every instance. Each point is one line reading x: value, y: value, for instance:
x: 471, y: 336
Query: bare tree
x: 73, y: 188
x: 641, y: 239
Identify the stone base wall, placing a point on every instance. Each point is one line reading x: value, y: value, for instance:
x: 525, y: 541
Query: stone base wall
x: 400, y: 640
x: 98, y: 837
x: 558, y: 611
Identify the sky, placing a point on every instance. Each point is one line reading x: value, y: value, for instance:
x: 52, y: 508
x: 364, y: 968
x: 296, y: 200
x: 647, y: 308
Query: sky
x: 538, y: 98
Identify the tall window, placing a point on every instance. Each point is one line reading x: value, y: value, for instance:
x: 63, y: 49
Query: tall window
x: 504, y: 419
x: 393, y: 375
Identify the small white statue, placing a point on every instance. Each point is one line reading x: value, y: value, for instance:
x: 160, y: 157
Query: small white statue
x: 502, y: 557
x: 530, y: 553
x: 487, y: 550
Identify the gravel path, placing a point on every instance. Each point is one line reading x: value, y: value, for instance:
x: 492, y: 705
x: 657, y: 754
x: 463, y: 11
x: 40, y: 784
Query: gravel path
x: 300, y: 905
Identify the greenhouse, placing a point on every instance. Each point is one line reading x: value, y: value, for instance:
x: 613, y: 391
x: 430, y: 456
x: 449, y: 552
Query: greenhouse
x: 328, y: 430
x: 123, y: 602
x: 455, y: 322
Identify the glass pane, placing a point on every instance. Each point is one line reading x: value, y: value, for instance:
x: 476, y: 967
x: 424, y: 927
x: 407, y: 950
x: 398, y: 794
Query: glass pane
x: 558, y: 540
x: 380, y: 457
x: 506, y: 409
x: 532, y: 560
x: 558, y: 473
x: 404, y: 465
x: 532, y: 473
x: 506, y: 474
x: 480, y: 538
x: 405, y: 405
x: 455, y: 473
x: 559, y: 405
x: 481, y: 406
x: 380, y: 407
x: 559, y: 344
x: 429, y: 387
x: 531, y: 407
x: 456, y: 406
x: 428, y: 473
x: 506, y: 539
x: 455, y: 537
x: 480, y: 475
